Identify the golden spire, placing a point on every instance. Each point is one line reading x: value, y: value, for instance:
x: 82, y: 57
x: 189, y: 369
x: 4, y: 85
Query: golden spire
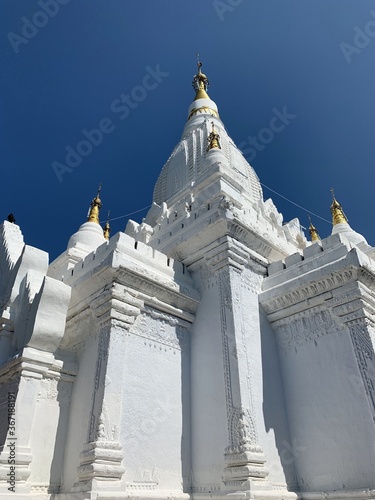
x: 200, y: 83
x: 107, y: 228
x: 96, y: 205
x: 314, y: 235
x: 338, y: 216
x: 213, y: 139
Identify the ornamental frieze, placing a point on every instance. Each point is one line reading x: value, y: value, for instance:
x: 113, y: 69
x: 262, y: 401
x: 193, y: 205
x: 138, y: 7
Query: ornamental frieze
x: 313, y: 289
x: 306, y: 328
x: 162, y: 328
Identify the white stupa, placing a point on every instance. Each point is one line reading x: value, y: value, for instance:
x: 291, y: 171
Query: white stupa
x: 208, y: 353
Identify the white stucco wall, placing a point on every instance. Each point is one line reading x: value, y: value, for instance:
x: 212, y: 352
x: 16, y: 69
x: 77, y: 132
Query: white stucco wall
x: 155, y: 424
x: 80, y: 407
x: 333, y: 434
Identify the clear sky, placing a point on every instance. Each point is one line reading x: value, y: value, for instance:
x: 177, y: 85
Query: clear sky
x: 65, y: 66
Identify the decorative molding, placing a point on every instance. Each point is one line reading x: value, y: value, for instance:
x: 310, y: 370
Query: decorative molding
x: 167, y: 291
x: 144, y: 480
x: 105, y: 430
x: 366, y: 277
x: 360, y: 334
x: 242, y: 430
x: 244, y: 458
x: 251, y: 281
x: 116, y: 302
x: 101, y: 460
x: 210, y: 488
x: 162, y: 328
x: 22, y: 466
x: 235, y: 254
x: 308, y: 291
x: 226, y: 302
x: 302, y: 328
x: 48, y: 390
x: 243, y: 233
x: 97, y: 397
x: 102, y: 457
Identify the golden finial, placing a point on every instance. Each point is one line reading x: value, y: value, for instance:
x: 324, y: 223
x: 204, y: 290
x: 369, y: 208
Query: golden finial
x: 314, y: 235
x: 213, y: 139
x: 95, y: 207
x: 107, y: 228
x: 200, y: 82
x: 338, y: 216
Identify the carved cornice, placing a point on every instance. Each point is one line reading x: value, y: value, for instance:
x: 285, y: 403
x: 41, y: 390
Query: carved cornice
x: 157, y: 289
x: 125, y: 293
x: 227, y: 253
x: 230, y: 252
x: 334, y: 312
x: 101, y: 460
x: 31, y: 363
x: 250, y: 238
x: 116, y: 303
x: 163, y: 294
x: 304, y: 295
x: 367, y: 277
x: 316, y: 307
x: 118, y: 306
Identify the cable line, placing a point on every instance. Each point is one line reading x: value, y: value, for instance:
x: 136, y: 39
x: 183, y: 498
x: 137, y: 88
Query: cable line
x: 296, y: 204
x: 270, y: 189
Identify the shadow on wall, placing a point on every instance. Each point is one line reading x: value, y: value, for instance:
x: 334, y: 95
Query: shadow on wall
x: 274, y: 411
x: 184, y: 341
x: 64, y: 390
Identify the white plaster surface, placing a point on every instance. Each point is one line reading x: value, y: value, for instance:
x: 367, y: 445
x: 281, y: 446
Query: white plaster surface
x: 207, y: 352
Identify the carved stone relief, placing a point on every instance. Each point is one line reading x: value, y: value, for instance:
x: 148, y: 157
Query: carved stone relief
x: 305, y: 328
x: 360, y: 334
x: 163, y: 328
x: 243, y: 457
x: 310, y: 290
x: 242, y: 430
x: 98, y: 382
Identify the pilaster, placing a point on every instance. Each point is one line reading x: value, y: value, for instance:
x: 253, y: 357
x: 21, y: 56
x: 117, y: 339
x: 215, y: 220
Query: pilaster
x: 244, y: 458
x: 229, y: 277
x: 115, y: 309
x: 24, y: 380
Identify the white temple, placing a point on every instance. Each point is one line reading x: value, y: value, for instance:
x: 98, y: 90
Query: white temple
x: 209, y: 352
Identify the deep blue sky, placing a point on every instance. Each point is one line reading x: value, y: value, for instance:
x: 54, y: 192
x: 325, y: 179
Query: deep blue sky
x: 258, y: 55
